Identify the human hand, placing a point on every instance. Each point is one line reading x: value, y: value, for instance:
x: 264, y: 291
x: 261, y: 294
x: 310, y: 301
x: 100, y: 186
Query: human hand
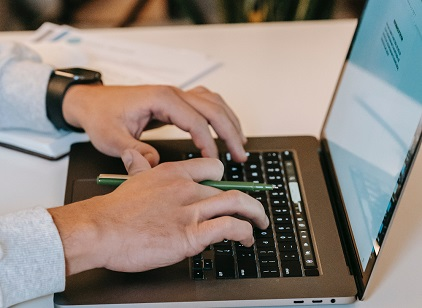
x: 157, y: 218
x: 114, y: 117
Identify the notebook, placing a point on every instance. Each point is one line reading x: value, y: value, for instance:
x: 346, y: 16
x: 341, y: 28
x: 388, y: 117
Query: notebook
x: 341, y: 191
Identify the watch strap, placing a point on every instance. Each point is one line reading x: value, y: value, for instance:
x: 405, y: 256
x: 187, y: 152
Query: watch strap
x: 60, y: 82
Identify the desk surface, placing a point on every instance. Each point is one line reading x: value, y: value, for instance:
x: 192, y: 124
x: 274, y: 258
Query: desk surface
x: 290, y: 68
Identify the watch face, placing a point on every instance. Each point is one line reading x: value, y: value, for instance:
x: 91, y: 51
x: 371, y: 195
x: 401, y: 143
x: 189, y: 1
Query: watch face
x: 80, y: 74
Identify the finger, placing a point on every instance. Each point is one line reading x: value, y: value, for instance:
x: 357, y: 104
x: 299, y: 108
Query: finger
x: 173, y: 109
x: 233, y: 203
x: 127, y: 141
x: 226, y: 227
x: 200, y: 169
x: 134, y: 162
x: 216, y: 98
x: 223, y: 121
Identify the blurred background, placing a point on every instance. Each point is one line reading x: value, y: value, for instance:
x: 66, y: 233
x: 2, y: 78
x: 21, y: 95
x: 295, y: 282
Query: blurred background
x: 30, y: 14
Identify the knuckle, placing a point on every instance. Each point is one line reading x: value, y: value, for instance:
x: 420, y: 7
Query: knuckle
x: 214, y: 163
x: 235, y: 196
x: 167, y: 167
x: 217, y: 112
x: 201, y: 89
x: 229, y: 223
x: 217, y: 98
x: 199, y: 122
x: 165, y: 91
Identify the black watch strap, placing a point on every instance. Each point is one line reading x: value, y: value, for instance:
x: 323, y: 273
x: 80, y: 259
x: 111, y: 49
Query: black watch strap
x: 60, y: 82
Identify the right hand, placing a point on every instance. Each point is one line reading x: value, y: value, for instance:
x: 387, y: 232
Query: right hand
x: 157, y: 218
x: 114, y: 117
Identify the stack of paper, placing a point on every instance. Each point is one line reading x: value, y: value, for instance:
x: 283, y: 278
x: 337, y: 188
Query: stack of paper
x: 120, y: 62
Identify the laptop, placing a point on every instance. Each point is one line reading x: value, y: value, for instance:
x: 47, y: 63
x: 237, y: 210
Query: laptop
x: 334, y: 198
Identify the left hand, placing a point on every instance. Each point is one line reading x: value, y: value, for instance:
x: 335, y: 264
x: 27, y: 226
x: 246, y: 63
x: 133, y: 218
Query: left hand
x: 156, y: 218
x: 114, y: 117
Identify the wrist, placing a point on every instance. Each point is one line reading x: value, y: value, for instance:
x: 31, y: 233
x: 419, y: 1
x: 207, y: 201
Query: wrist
x: 79, y: 235
x: 76, y: 104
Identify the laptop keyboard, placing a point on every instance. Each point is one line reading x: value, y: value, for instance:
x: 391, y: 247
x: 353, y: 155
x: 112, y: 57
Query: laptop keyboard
x: 285, y: 248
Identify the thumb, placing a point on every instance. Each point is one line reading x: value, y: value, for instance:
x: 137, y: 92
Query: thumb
x: 134, y: 162
x: 146, y: 150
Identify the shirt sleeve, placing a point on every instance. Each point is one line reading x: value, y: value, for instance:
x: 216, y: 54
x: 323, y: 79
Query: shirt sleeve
x: 31, y: 253
x: 32, y: 260
x: 23, y: 86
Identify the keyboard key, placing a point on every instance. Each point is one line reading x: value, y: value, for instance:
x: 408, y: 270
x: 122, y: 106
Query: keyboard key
x: 287, y: 155
x: 263, y: 233
x: 197, y: 264
x: 279, y: 202
x: 246, y: 265
x: 252, y: 176
x: 285, y: 236
x: 309, y: 263
x: 224, y: 251
x: 287, y: 246
x: 208, y: 264
x: 265, y: 252
x: 224, y: 266
x: 277, y: 193
x: 252, y: 166
x: 311, y: 272
x: 253, y: 157
x: 291, y: 269
x: 273, y: 178
x: 241, y: 247
x: 280, y: 228
x: 280, y: 211
x: 270, y: 156
x: 265, y: 242
x: 269, y: 272
x: 271, y: 163
x: 274, y: 170
x: 289, y: 256
x: 198, y: 274
x: 268, y: 261
x: 282, y: 219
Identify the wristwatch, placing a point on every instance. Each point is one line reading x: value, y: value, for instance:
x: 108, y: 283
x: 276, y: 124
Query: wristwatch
x: 60, y: 81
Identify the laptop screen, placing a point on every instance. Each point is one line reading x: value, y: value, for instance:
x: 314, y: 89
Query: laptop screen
x: 374, y: 124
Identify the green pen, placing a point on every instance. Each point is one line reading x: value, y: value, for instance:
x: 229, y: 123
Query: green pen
x: 117, y: 179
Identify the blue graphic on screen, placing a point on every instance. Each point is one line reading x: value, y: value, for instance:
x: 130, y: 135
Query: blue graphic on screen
x: 376, y: 114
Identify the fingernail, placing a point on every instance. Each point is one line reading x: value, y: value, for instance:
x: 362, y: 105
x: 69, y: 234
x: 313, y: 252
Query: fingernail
x: 127, y: 158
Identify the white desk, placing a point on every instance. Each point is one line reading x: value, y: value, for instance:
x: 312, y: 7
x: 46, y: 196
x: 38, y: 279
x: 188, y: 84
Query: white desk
x: 286, y: 68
